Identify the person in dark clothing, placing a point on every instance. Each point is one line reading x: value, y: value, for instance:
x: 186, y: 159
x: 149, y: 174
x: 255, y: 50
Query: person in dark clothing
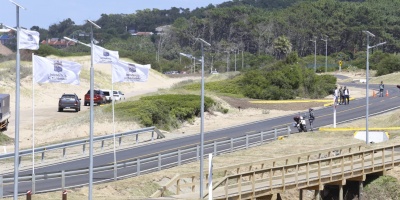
x: 346, y: 95
x: 341, y: 101
x: 381, y: 88
x: 311, y: 118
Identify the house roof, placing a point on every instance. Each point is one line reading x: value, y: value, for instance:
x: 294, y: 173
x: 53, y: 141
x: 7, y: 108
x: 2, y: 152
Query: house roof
x: 57, y: 42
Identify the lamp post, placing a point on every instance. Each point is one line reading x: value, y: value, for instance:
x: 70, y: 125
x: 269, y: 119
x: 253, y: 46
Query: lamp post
x: 91, y: 108
x: 17, y: 106
x: 227, y: 61
x: 369, y: 34
x: 91, y: 104
x: 326, y: 53
x: 190, y: 57
x: 202, y: 115
x: 235, y: 59
x: 315, y: 53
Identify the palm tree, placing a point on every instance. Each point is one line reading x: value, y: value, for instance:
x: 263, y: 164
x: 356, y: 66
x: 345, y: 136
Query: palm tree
x: 282, y: 47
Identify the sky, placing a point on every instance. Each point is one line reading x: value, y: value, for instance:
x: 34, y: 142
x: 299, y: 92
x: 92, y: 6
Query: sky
x: 44, y: 13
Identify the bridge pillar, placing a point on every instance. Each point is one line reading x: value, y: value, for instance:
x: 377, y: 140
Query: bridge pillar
x: 317, y: 195
x: 360, y: 190
x: 301, y: 194
x: 340, y: 192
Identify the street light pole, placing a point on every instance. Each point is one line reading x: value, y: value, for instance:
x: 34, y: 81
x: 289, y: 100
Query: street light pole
x: 235, y: 60
x: 202, y: 116
x: 17, y: 106
x: 367, y: 85
x: 326, y: 53
x: 91, y: 109
x: 315, y: 53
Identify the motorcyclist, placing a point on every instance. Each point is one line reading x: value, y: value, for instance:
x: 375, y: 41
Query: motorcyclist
x: 311, y: 118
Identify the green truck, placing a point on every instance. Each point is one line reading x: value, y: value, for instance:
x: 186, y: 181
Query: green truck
x: 4, y: 111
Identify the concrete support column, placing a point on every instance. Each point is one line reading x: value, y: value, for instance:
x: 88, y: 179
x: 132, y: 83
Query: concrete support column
x: 340, y: 192
x: 360, y: 190
x: 317, y: 195
x: 301, y: 194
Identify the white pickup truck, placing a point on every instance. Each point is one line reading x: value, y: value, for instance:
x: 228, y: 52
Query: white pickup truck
x: 4, y: 111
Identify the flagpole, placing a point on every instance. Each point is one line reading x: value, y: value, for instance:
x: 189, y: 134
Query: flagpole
x: 17, y: 110
x: 113, y: 118
x: 33, y: 123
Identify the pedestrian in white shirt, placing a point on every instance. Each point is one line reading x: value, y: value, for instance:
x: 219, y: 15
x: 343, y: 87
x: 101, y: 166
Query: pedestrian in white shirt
x: 336, y: 95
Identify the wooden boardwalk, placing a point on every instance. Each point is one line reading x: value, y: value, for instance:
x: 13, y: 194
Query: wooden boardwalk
x: 312, y: 174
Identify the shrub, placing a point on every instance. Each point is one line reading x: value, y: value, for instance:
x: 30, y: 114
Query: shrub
x: 163, y: 111
x: 384, y: 187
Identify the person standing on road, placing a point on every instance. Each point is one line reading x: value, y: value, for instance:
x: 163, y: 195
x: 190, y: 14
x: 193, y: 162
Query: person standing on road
x: 341, y: 96
x: 311, y: 118
x: 346, y: 95
x: 381, y: 88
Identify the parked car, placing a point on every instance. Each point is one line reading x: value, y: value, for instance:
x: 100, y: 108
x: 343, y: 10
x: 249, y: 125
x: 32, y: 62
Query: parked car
x: 69, y: 101
x: 107, y: 93
x: 118, y: 95
x: 5, y: 113
x: 98, y: 97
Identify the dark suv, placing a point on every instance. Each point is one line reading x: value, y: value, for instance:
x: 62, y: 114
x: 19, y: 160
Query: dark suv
x: 69, y: 101
x: 98, y: 97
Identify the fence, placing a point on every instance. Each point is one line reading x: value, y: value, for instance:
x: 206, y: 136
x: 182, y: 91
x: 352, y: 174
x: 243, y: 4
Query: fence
x: 160, y: 161
x: 83, y: 143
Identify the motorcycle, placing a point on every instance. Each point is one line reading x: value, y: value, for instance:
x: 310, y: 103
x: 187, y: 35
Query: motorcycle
x: 300, y: 123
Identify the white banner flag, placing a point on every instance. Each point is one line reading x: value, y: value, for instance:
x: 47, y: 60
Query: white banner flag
x: 102, y: 55
x: 56, y: 71
x: 28, y: 39
x: 129, y: 72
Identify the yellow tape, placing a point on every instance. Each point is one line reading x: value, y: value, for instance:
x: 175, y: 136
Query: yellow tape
x: 296, y: 101
x: 359, y: 129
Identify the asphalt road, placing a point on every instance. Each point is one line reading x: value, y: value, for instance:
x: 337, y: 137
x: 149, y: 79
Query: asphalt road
x: 355, y: 110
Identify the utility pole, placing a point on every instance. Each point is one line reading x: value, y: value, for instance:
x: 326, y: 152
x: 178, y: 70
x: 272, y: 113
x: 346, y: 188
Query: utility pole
x: 326, y: 52
x: 315, y: 53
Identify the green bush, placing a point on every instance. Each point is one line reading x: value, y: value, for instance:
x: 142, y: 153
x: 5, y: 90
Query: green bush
x: 387, y: 65
x: 163, y: 111
x: 229, y: 86
x: 384, y: 187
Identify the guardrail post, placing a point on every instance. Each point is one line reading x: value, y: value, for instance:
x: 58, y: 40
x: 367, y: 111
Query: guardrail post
x: 138, y: 167
x: 33, y: 183
x: 288, y: 131
x: 152, y: 135
x: 137, y: 139
x: 197, y: 152
x: 84, y: 149
x: 64, y: 152
x: 102, y: 145
x: 19, y: 161
x: 215, y: 148
x: 247, y: 141
x: 115, y: 171
x: 275, y: 134
x: 63, y: 179
x: 119, y: 141
x: 159, y: 162
x: 179, y: 157
x: 231, y: 145
x: 262, y: 137
x: 1, y: 186
x: 42, y: 158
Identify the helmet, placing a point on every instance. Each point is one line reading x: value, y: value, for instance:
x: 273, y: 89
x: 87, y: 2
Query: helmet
x: 310, y: 109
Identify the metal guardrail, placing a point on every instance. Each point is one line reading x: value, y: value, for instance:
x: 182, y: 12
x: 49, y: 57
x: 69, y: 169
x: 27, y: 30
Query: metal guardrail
x: 84, y: 142
x: 182, y: 156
